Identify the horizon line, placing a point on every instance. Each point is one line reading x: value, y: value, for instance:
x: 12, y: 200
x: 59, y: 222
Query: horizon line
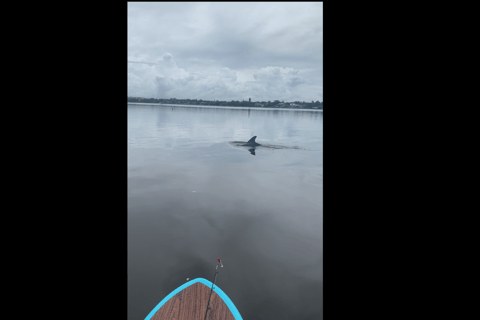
x: 221, y: 100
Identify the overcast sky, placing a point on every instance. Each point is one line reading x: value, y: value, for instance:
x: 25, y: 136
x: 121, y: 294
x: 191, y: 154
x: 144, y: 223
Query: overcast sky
x: 226, y: 50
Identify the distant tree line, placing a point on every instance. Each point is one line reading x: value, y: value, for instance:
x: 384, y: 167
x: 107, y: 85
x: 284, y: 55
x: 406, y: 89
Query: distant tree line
x: 264, y: 104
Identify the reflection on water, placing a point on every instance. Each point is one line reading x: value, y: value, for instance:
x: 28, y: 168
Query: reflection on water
x: 194, y: 196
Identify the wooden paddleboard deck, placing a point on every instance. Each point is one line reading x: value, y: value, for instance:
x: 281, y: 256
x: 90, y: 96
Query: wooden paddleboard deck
x: 189, y: 302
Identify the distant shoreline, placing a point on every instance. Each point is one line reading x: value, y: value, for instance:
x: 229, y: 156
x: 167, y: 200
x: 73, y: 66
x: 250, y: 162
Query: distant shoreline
x: 224, y: 107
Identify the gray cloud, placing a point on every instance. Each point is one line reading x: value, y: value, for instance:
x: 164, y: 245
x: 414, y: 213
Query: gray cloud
x: 148, y: 63
x: 226, y: 50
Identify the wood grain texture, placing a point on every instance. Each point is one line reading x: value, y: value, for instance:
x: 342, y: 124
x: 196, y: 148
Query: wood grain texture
x: 191, y: 303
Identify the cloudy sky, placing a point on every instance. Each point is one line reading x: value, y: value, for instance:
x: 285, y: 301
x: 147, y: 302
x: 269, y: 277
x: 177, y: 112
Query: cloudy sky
x: 226, y: 50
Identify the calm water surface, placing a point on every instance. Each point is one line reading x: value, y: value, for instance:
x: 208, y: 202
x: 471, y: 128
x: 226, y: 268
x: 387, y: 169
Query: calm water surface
x: 194, y: 197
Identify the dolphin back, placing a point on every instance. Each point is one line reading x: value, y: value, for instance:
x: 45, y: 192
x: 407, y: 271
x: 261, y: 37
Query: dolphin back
x: 251, y: 142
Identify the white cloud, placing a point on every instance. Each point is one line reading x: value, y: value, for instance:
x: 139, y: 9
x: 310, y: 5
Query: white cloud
x: 279, y: 77
x: 164, y: 79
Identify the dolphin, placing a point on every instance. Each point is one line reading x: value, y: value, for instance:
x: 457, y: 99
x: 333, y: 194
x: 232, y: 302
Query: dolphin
x: 251, y: 143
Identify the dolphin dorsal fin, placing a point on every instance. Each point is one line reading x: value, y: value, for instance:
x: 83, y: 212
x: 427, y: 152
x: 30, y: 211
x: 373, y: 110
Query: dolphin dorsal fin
x: 252, y: 139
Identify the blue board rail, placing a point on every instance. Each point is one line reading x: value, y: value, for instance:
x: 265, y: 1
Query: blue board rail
x: 216, y: 289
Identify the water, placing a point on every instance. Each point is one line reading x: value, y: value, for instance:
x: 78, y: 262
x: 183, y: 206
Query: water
x: 193, y: 197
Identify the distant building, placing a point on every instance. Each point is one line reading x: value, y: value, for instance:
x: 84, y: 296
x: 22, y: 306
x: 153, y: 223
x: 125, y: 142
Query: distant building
x: 249, y: 100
